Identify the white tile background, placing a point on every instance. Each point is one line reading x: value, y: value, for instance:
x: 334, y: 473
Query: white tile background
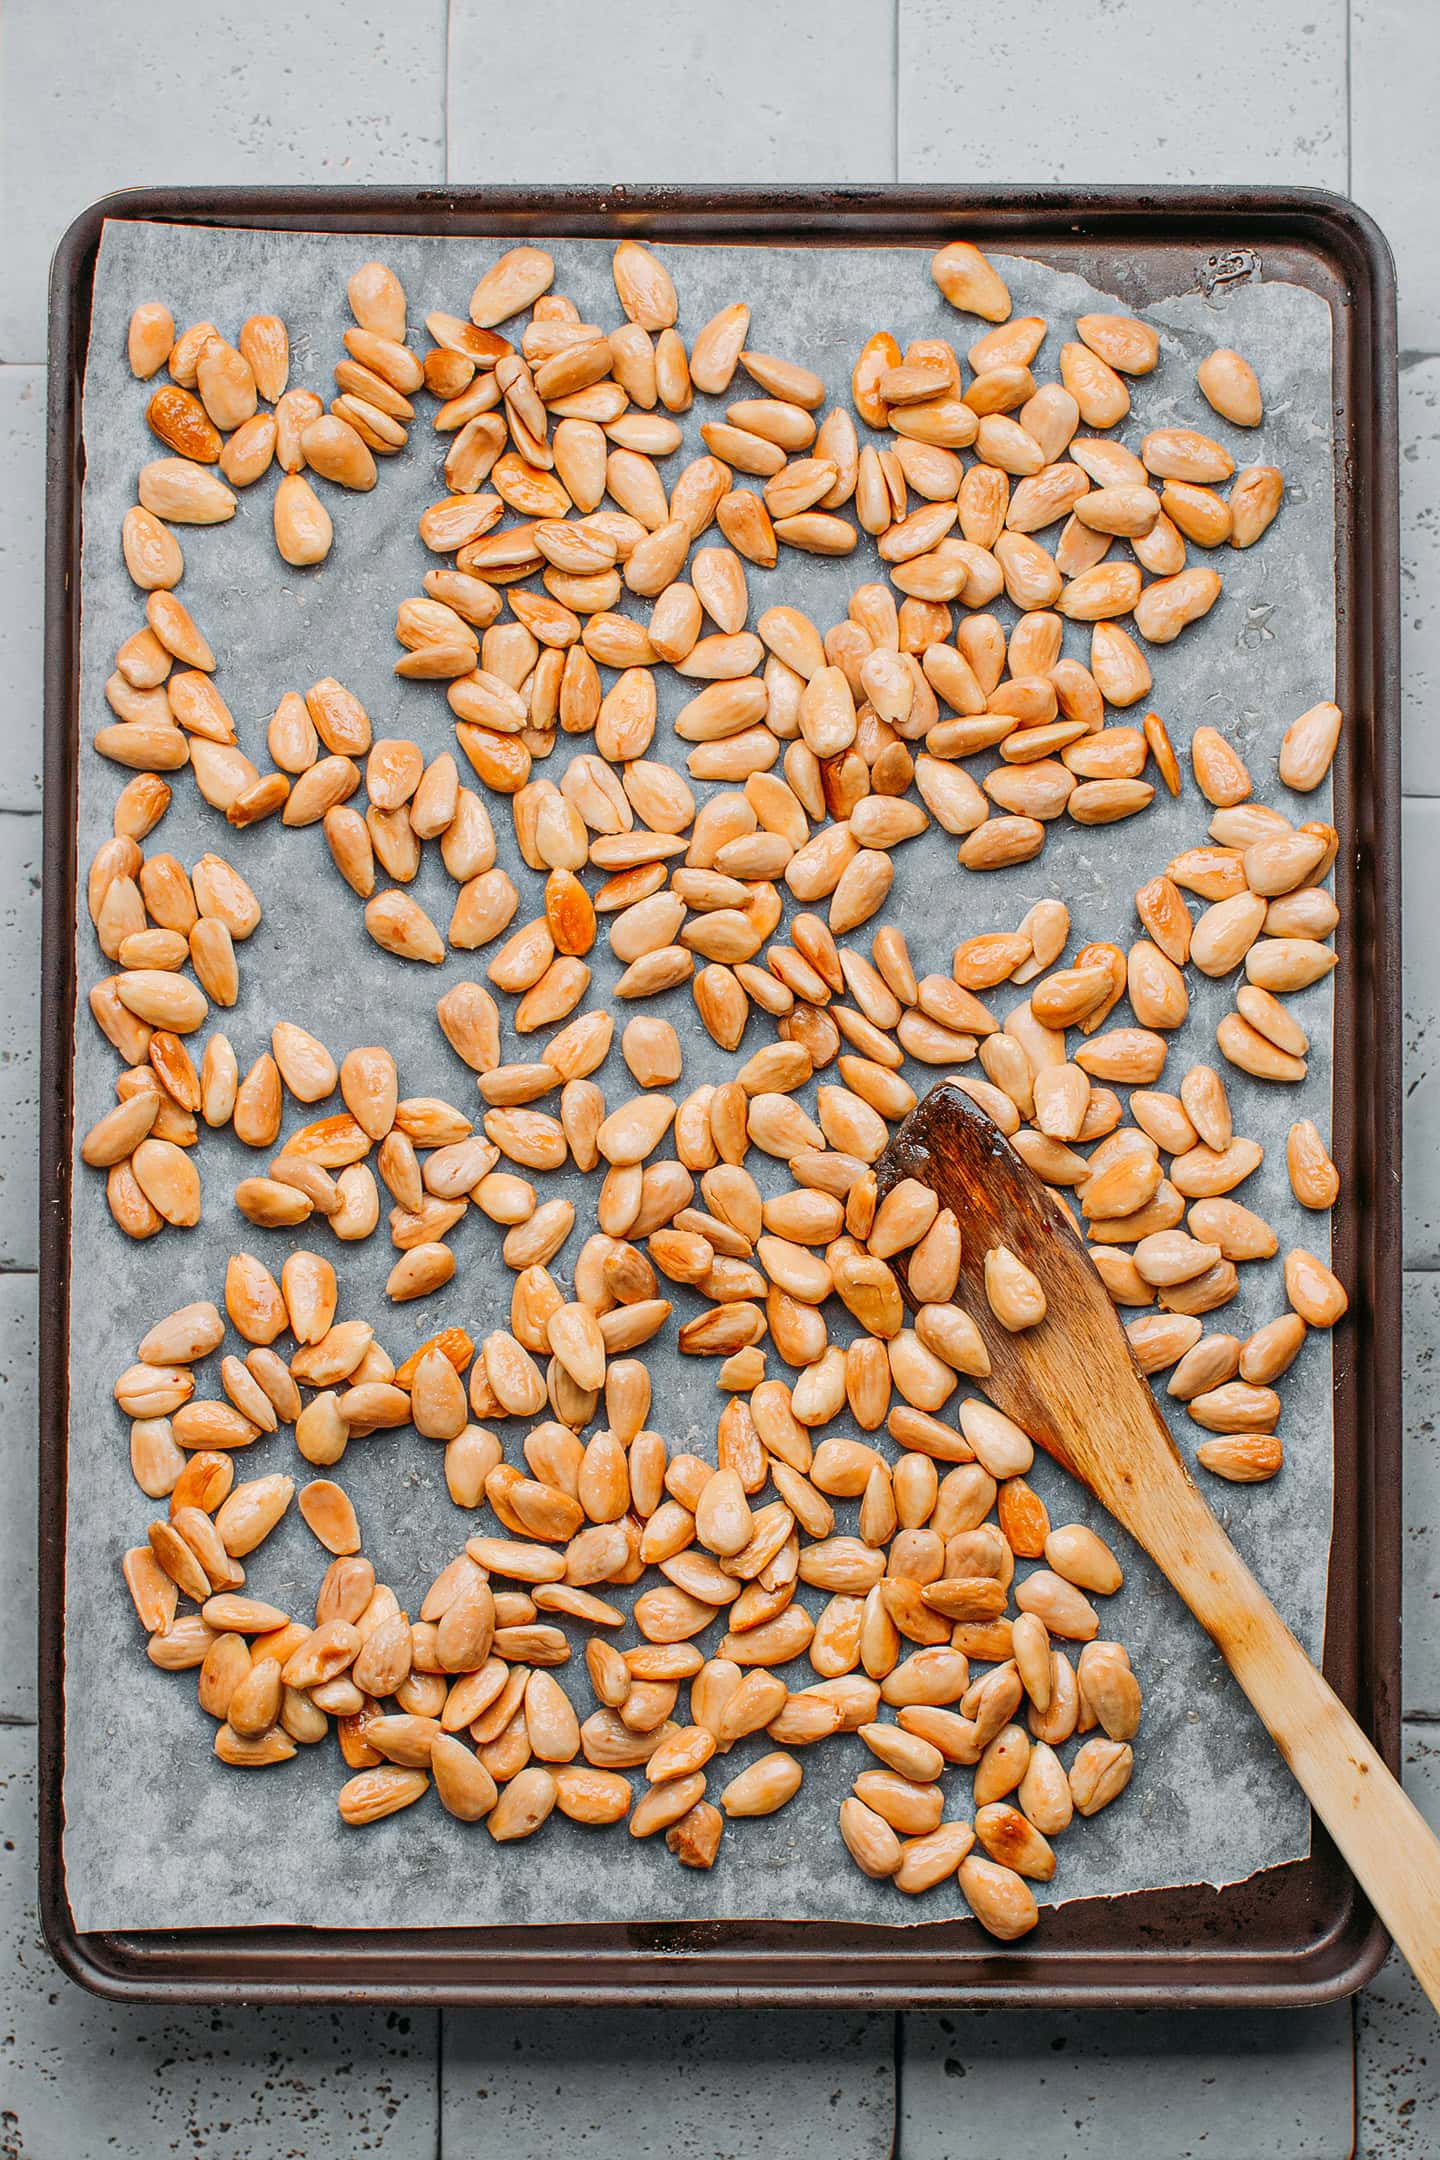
x: 95, y: 96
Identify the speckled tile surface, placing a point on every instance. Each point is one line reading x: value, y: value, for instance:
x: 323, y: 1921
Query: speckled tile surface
x: 1421, y: 843
x: 1165, y: 2085
x: 87, y: 2080
x: 22, y: 492
x: 19, y: 1037
x: 754, y: 93
x: 1393, y: 64
x: 731, y: 2086
x: 1111, y: 91
x: 799, y: 90
x: 1397, y: 2070
x: 1422, y: 1495
x: 1420, y: 573
x: 95, y: 97
x: 18, y: 1566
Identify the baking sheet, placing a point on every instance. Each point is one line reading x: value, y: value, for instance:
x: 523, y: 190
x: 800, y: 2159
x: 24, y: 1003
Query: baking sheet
x: 156, y: 1834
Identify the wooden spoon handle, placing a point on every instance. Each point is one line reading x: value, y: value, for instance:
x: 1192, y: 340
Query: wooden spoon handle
x: 1386, y: 1841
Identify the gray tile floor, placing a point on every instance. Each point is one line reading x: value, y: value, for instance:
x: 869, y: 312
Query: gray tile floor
x: 94, y: 97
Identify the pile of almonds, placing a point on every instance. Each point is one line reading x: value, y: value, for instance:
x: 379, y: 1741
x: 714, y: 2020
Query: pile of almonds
x: 466, y: 1695
x: 821, y: 753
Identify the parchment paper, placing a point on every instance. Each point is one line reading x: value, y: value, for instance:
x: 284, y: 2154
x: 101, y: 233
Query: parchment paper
x: 158, y: 1834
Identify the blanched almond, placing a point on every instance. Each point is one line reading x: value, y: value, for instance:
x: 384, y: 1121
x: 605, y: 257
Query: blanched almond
x: 1255, y: 501
x: 184, y: 493
x: 303, y: 530
x: 1308, y: 748
x: 1228, y: 382
x: 970, y: 282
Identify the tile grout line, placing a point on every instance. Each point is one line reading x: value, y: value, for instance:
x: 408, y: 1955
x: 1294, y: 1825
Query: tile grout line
x: 895, y: 85
x: 447, y: 72
x: 898, y: 2073
x: 440, y: 2016
x: 1349, y: 100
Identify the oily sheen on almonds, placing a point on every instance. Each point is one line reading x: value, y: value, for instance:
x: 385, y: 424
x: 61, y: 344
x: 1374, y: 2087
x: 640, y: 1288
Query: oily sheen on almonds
x: 754, y: 851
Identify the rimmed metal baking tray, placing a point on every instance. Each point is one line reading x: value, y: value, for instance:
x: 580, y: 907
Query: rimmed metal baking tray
x: 1297, y: 1934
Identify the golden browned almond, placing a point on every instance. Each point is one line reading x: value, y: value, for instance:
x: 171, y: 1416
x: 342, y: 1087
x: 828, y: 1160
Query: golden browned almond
x: 970, y: 282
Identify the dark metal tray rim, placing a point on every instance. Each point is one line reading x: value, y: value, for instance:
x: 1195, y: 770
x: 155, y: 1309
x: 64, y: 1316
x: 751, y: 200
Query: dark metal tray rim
x: 797, y: 1965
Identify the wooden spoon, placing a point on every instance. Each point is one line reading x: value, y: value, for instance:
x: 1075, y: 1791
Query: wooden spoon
x: 1072, y: 1384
